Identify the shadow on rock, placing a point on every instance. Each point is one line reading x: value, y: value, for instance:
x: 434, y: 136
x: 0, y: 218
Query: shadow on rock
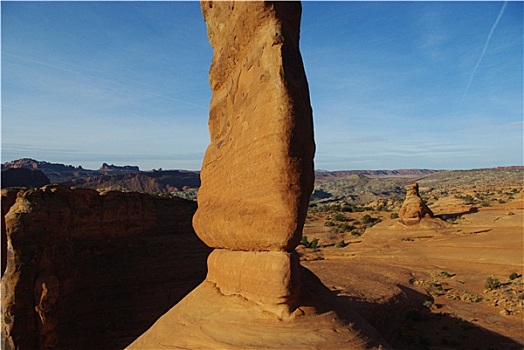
x: 406, y: 322
x: 454, y: 216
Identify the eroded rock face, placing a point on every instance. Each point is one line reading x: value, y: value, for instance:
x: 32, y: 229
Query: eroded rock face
x: 257, y: 174
x: 92, y: 271
x: 413, y: 209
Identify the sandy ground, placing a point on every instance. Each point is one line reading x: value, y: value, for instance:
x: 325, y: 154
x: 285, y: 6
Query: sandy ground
x: 440, y: 285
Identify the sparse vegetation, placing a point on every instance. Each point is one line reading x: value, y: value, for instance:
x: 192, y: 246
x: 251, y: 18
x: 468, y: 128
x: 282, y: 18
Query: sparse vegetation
x: 369, y: 221
x: 513, y: 276
x: 313, y: 244
x: 341, y: 244
x: 492, y: 283
x: 446, y: 274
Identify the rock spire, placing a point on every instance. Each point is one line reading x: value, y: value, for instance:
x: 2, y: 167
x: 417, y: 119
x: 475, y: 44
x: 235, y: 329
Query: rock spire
x: 256, y: 179
x: 413, y: 209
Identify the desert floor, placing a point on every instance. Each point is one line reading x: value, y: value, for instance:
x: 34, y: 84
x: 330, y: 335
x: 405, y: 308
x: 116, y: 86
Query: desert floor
x: 444, y: 284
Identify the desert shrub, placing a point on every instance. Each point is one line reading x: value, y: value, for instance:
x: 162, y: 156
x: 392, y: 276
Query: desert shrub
x: 446, y: 274
x: 313, y: 244
x: 347, y: 208
x: 369, y: 220
x: 492, y: 283
x: 513, y: 276
x: 345, y: 228
x: 304, y: 241
x: 340, y: 217
x: 329, y: 223
x: 341, y: 244
x: 394, y: 215
x: 334, y: 208
x: 357, y: 232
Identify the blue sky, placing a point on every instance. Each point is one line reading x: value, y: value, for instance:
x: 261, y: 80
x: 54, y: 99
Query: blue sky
x: 393, y: 85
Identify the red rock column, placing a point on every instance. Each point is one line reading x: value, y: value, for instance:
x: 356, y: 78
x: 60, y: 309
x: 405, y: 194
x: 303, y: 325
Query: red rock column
x: 257, y: 174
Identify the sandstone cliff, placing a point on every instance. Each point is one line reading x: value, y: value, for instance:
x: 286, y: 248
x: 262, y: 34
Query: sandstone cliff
x: 92, y: 271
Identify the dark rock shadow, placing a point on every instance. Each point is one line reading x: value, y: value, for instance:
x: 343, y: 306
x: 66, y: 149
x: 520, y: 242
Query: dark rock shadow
x: 406, y: 323
x: 454, y: 216
x: 124, y: 286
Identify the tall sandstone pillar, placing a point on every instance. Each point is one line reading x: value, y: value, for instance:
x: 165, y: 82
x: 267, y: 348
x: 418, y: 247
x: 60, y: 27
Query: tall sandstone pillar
x: 257, y: 174
x: 256, y: 180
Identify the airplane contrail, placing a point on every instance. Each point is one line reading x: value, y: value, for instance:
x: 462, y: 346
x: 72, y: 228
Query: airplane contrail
x: 481, y: 55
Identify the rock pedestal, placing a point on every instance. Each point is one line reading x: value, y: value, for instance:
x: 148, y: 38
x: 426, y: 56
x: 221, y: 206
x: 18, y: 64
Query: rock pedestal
x: 257, y: 174
x: 413, y: 209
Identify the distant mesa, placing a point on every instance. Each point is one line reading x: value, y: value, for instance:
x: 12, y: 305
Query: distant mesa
x: 56, y: 172
x: 106, y: 168
x: 127, y: 178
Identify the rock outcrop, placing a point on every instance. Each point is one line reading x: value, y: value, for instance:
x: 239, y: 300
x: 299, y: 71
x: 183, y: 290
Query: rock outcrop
x: 414, y: 209
x: 20, y: 177
x: 90, y: 270
x: 257, y: 177
x: 8, y: 198
x: 54, y: 171
x: 145, y: 182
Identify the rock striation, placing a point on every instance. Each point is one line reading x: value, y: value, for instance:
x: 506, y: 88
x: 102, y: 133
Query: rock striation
x: 257, y: 176
x: 414, y: 209
x: 90, y: 270
x: 261, y: 128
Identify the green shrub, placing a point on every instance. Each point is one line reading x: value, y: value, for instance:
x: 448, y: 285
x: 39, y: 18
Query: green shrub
x: 340, y: 217
x: 345, y: 228
x: 492, y: 283
x: 341, y: 244
x: 304, y: 241
x: 513, y: 276
x: 394, y: 215
x: 446, y: 274
x: 313, y: 244
x: 369, y: 220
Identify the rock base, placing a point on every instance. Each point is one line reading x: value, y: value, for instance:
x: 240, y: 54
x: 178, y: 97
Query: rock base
x: 208, y: 319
